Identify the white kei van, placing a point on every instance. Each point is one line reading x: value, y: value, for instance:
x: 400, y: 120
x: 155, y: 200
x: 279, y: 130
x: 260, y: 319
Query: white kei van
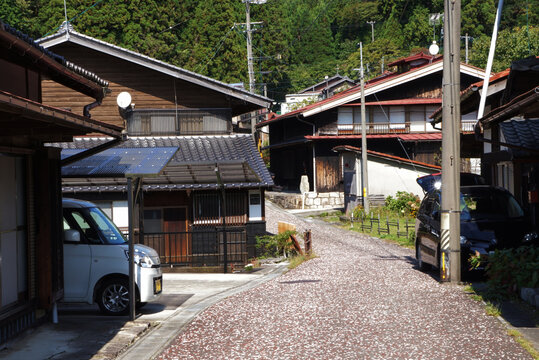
x: 96, y: 261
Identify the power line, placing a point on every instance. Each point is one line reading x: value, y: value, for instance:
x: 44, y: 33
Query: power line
x: 216, y: 51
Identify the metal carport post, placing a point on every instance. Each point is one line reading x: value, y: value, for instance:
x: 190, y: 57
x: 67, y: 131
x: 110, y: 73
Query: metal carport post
x: 128, y: 163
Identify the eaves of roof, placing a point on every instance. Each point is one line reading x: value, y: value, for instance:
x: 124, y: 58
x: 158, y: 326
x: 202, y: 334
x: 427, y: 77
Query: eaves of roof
x: 407, y: 59
x: 387, y: 156
x: 471, y: 90
x: 54, y: 66
x: 330, y: 81
x: 529, y: 99
x: 399, y: 102
x: 50, y: 117
x: 194, y: 150
x: 404, y: 137
x: 63, y: 36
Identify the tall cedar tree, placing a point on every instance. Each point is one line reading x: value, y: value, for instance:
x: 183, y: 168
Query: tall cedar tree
x: 300, y: 42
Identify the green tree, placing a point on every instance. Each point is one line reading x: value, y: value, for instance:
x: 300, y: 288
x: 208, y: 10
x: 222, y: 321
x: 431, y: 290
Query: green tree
x: 351, y: 20
x: 512, y: 44
x: 477, y: 17
x: 16, y: 13
x: 381, y: 50
x: 210, y: 43
x: 417, y: 30
x: 520, y: 13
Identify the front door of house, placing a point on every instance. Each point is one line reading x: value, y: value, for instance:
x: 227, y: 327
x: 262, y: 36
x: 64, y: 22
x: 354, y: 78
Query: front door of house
x: 177, y: 242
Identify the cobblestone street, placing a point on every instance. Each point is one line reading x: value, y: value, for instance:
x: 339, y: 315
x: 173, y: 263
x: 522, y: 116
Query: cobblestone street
x: 361, y: 298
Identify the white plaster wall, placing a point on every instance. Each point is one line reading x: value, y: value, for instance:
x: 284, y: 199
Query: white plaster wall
x: 120, y: 214
x: 387, y: 180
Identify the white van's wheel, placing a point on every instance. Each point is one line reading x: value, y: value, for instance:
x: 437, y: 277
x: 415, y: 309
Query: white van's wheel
x: 113, y: 297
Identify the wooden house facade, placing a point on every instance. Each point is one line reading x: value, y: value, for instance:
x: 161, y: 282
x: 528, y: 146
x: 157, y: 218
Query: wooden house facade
x: 509, y: 132
x: 398, y: 106
x: 194, y: 112
x: 213, y: 184
x: 31, y: 232
x: 159, y: 91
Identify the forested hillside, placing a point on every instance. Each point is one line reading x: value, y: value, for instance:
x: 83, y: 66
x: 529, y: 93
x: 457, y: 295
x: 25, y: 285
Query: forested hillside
x: 299, y: 42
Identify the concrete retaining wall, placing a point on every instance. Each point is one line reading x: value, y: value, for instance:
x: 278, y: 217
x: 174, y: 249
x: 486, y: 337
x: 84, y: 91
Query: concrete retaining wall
x: 312, y: 200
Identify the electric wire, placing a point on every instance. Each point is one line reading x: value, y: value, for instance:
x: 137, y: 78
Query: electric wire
x: 201, y: 67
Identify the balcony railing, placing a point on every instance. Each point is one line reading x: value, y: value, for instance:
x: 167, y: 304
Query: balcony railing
x: 389, y: 128
x: 200, y: 247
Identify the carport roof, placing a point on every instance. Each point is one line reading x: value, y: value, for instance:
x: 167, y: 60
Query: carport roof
x: 117, y: 162
x: 193, y: 166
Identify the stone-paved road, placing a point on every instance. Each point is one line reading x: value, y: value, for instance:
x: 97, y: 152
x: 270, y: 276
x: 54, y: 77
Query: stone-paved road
x: 362, y: 298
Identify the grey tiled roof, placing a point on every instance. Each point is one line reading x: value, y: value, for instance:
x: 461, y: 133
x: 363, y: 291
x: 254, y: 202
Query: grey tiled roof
x: 523, y: 133
x: 195, y: 150
x: 67, y: 32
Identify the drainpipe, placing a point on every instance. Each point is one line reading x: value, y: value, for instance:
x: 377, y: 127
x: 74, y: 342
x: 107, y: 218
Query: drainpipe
x: 87, y: 108
x: 314, y: 157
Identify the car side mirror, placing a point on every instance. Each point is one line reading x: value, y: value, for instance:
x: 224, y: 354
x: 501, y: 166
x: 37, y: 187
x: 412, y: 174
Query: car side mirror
x: 71, y: 235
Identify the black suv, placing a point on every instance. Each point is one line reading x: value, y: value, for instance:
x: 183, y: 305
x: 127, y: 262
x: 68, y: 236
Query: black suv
x: 491, y: 218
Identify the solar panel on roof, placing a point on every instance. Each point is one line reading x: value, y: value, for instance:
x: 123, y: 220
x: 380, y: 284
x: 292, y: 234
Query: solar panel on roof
x: 120, y: 162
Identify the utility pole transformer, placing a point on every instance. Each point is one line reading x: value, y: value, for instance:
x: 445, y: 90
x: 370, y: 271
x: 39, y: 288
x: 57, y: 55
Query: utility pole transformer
x: 450, y: 207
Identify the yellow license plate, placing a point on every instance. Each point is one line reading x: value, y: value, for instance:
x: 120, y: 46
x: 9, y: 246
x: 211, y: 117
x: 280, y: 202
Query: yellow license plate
x: 157, y: 285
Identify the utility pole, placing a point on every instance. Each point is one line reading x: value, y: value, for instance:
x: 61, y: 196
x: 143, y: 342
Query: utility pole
x: 450, y: 207
x: 249, y: 42
x: 466, y: 42
x: 372, y: 28
x: 365, y: 176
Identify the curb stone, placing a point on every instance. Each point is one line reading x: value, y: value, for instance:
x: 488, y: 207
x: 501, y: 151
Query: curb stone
x: 127, y: 335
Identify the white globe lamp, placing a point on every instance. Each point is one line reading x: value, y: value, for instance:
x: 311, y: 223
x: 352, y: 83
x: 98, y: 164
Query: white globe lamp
x: 434, y: 48
x: 123, y: 100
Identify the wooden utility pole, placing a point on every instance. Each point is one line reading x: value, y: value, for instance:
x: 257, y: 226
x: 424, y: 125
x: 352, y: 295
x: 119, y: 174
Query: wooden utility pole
x: 249, y: 47
x: 364, y: 174
x: 450, y: 207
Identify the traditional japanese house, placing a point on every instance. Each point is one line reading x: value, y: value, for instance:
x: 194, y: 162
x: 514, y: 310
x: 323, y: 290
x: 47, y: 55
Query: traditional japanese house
x: 193, y: 112
x: 398, y: 104
x: 31, y: 232
x: 213, y: 183
x: 509, y: 132
x: 386, y: 173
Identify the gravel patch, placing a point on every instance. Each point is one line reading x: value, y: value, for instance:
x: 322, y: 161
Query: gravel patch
x: 362, y: 298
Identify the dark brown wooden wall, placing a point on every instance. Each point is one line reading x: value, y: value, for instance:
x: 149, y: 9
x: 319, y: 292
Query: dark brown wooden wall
x: 20, y: 81
x: 328, y: 174
x: 149, y: 89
